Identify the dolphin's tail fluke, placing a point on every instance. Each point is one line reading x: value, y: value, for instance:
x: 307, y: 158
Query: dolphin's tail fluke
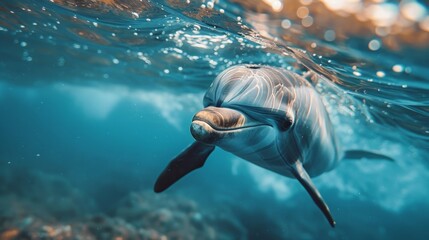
x: 361, y: 154
x: 190, y: 159
x: 305, y: 180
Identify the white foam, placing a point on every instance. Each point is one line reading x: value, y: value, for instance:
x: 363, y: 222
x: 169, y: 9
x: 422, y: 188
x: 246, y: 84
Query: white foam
x: 98, y: 102
x: 95, y: 102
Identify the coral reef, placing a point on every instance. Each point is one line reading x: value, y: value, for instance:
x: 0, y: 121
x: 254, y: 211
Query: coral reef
x: 40, y: 206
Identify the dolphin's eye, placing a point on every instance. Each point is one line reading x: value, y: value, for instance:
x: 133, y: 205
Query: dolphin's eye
x: 285, y: 124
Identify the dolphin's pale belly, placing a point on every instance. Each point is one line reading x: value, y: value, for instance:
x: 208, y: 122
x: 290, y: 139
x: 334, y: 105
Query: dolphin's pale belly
x: 259, y: 147
x: 270, y: 159
x: 319, y: 158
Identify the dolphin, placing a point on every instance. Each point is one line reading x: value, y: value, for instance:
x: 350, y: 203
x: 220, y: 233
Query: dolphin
x: 271, y: 117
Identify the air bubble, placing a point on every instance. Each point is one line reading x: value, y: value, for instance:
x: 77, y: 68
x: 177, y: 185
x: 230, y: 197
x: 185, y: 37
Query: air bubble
x: 196, y: 28
x: 374, y: 45
x: 329, y: 35
x: 307, y: 21
x: 136, y: 15
x: 380, y: 74
x: 408, y: 69
x: 286, y: 24
x: 210, y: 5
x: 398, y: 68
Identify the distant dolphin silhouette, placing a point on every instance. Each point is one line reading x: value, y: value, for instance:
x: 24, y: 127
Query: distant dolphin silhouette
x: 270, y: 117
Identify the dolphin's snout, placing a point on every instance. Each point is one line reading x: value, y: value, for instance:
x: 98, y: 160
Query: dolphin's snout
x: 211, y: 123
x: 220, y: 118
x: 203, y: 132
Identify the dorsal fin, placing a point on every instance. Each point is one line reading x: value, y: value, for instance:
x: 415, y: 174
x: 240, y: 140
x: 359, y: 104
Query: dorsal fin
x: 360, y: 154
x: 191, y: 158
x: 299, y: 172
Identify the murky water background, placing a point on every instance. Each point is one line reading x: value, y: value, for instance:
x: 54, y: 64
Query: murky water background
x: 96, y: 97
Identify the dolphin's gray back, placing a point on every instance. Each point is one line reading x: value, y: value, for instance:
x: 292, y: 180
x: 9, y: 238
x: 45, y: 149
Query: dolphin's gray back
x: 274, y: 94
x: 262, y: 87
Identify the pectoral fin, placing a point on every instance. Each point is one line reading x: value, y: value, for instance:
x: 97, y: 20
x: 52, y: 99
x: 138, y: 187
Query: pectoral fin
x: 190, y: 159
x: 305, y: 180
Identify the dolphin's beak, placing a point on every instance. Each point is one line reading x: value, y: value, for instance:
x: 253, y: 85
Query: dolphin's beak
x: 221, y: 118
x: 211, y: 123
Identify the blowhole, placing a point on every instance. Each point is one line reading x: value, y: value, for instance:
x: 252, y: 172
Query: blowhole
x: 253, y: 66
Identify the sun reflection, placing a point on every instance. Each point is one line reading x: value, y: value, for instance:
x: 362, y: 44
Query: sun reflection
x: 395, y: 24
x: 413, y: 10
x: 276, y: 5
x: 347, y: 6
x: 385, y: 14
x: 201, y: 41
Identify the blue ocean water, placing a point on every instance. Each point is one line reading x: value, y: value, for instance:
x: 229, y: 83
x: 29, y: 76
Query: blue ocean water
x: 96, y: 97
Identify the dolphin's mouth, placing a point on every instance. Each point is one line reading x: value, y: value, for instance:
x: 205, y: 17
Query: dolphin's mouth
x: 226, y: 129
